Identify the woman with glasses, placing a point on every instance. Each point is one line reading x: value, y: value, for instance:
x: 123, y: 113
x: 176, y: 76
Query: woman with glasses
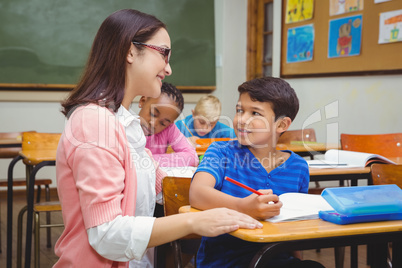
x: 107, y: 182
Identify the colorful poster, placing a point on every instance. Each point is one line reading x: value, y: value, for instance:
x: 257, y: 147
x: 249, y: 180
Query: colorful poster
x: 390, y: 27
x: 299, y: 10
x: 300, y: 44
x: 337, y: 7
x: 345, y: 36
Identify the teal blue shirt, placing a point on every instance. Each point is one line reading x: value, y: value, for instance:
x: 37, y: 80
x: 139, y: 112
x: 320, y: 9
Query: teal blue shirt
x: 219, y: 131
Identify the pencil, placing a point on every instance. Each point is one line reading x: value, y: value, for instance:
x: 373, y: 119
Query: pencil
x: 243, y: 186
x: 188, y: 129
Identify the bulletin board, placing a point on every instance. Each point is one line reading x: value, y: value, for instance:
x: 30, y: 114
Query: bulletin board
x: 374, y: 58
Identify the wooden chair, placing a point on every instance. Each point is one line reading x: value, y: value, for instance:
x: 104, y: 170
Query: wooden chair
x: 175, y: 195
x: 307, y: 134
x: 304, y: 135
x: 10, y: 153
x: 299, y: 135
x: 388, y: 145
x: 34, y: 141
x: 386, y: 174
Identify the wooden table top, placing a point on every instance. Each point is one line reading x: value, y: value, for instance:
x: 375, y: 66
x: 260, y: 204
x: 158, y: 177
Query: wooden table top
x: 347, y: 170
x: 307, y: 147
x: 15, y: 142
x: 308, y: 229
x: 339, y: 171
x: 34, y: 157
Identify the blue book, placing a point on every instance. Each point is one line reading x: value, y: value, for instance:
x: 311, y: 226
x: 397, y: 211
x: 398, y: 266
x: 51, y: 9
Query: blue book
x: 363, y: 204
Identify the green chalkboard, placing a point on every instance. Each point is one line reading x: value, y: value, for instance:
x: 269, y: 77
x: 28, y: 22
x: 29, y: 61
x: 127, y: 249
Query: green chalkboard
x: 48, y: 41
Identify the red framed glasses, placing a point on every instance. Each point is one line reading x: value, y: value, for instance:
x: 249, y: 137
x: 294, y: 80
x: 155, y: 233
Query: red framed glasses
x: 165, y: 52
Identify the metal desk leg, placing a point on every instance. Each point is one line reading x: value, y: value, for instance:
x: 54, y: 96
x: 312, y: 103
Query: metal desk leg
x: 264, y: 255
x: 353, y: 256
x: 30, y: 201
x: 379, y: 259
x: 10, y: 209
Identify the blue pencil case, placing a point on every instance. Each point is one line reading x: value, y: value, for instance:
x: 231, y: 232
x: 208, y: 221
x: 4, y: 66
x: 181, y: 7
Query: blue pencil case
x: 363, y: 204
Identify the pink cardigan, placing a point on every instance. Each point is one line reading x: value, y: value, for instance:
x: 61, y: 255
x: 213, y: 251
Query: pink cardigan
x: 95, y: 182
x: 184, y: 153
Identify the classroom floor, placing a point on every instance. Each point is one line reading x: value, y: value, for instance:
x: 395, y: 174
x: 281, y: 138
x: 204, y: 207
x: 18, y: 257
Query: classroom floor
x: 48, y: 258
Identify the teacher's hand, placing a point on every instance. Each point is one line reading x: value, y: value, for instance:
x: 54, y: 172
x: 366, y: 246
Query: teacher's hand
x: 217, y: 221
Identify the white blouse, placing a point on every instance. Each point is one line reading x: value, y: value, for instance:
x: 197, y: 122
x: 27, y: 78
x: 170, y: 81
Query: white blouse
x: 127, y: 238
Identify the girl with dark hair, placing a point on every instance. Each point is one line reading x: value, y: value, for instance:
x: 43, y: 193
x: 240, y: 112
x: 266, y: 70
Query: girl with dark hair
x: 107, y: 182
x: 157, y: 121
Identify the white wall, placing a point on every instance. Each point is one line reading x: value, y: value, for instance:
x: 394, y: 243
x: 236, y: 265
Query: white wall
x: 231, y: 46
x: 356, y: 105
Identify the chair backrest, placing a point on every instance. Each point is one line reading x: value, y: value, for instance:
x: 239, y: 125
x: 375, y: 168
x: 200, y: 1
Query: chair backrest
x: 307, y: 134
x: 388, y: 145
x: 175, y: 194
x: 40, y: 141
x: 386, y: 174
x: 12, y: 151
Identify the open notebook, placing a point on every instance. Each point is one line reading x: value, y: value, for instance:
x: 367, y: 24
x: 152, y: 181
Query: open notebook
x: 298, y: 206
x: 180, y: 172
x: 340, y: 158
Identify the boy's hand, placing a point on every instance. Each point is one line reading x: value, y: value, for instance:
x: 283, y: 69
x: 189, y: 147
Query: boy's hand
x: 261, y: 206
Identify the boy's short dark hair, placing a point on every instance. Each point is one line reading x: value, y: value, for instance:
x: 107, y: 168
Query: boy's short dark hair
x: 174, y: 94
x: 276, y: 91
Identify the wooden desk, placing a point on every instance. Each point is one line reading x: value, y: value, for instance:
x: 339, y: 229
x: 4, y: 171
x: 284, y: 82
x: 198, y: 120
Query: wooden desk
x: 341, y: 174
x: 10, y: 143
x: 311, y: 148
x: 310, y: 234
x: 34, y: 160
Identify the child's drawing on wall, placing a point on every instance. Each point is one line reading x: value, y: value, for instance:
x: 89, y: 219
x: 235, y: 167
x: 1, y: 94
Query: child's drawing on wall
x: 299, y: 10
x: 390, y: 27
x: 337, y: 7
x: 345, y: 37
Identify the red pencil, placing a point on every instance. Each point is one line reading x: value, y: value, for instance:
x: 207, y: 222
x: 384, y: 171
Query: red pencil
x: 243, y: 186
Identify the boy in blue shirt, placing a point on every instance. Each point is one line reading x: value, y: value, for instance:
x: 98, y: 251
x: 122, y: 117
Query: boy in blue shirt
x: 203, y: 122
x: 265, y: 109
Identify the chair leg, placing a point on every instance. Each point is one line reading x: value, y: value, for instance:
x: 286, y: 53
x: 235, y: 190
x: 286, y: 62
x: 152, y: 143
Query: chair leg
x: 0, y: 231
x: 177, y: 254
x: 339, y: 257
x: 19, y: 236
x: 37, y: 244
x: 48, y: 233
x: 389, y: 255
x: 38, y: 194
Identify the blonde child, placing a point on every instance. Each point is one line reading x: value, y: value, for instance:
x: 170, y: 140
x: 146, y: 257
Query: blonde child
x: 203, y: 122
